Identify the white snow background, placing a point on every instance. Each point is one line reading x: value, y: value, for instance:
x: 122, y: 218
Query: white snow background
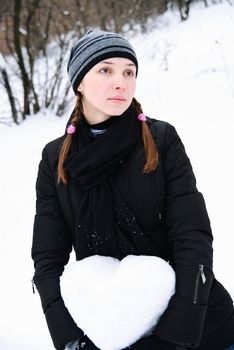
x: 186, y: 77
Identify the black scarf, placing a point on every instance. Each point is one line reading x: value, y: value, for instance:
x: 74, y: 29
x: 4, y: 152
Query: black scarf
x: 104, y: 223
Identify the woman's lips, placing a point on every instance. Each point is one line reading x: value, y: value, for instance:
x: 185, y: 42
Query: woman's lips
x: 117, y: 99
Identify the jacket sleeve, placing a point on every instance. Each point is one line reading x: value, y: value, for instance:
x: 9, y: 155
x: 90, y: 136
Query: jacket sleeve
x: 52, y: 244
x: 190, y: 236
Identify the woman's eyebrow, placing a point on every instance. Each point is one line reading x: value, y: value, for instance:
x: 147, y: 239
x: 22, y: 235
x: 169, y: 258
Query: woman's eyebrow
x: 109, y: 62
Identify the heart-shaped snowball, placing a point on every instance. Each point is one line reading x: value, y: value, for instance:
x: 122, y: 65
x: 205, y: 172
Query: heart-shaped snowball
x: 117, y: 302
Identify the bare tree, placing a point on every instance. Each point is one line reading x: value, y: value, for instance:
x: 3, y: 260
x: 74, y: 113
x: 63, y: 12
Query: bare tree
x: 5, y: 81
x: 30, y: 28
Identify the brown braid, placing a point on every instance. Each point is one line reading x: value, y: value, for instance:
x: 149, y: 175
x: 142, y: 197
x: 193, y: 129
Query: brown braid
x: 151, y: 151
x: 76, y: 115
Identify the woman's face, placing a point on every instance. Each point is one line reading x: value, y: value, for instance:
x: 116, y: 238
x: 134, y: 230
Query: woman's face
x: 108, y: 89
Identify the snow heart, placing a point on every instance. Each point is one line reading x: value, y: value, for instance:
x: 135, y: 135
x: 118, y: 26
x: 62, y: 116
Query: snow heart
x: 117, y: 302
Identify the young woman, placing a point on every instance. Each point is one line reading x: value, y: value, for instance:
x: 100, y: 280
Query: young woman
x: 119, y: 183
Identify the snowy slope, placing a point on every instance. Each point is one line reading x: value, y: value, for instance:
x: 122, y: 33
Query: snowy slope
x: 186, y: 77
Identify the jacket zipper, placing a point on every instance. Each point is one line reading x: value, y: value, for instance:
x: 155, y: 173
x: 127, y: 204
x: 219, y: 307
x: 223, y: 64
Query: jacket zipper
x: 200, y: 275
x: 33, y: 286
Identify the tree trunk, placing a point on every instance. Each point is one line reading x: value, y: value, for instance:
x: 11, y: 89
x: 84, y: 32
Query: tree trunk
x: 10, y: 95
x: 17, y: 44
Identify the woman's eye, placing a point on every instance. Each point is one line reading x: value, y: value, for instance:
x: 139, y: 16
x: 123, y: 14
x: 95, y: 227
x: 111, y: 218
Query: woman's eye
x: 104, y: 70
x: 130, y: 73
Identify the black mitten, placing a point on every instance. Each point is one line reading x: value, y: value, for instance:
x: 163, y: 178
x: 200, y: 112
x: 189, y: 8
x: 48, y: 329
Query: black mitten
x: 61, y: 325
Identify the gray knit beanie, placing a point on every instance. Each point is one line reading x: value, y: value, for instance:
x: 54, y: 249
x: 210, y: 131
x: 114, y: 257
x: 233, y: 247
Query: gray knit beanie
x: 93, y: 47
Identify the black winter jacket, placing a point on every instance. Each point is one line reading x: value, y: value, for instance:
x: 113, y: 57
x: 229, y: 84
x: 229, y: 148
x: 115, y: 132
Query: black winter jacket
x: 171, y: 213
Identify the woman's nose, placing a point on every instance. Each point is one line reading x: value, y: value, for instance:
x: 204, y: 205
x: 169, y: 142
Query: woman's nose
x: 119, y: 83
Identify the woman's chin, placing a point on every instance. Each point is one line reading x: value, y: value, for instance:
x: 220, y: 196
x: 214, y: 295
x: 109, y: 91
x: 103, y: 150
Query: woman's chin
x: 118, y: 109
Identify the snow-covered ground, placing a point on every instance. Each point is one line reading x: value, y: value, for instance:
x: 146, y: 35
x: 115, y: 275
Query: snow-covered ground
x: 186, y: 77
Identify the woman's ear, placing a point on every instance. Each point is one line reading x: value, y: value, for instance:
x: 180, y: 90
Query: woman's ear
x: 79, y: 89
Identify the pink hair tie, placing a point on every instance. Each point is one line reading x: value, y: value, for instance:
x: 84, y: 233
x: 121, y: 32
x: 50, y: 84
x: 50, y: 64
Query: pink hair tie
x: 141, y: 117
x: 71, y: 129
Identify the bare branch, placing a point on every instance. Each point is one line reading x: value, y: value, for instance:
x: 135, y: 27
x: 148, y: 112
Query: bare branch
x: 10, y: 94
